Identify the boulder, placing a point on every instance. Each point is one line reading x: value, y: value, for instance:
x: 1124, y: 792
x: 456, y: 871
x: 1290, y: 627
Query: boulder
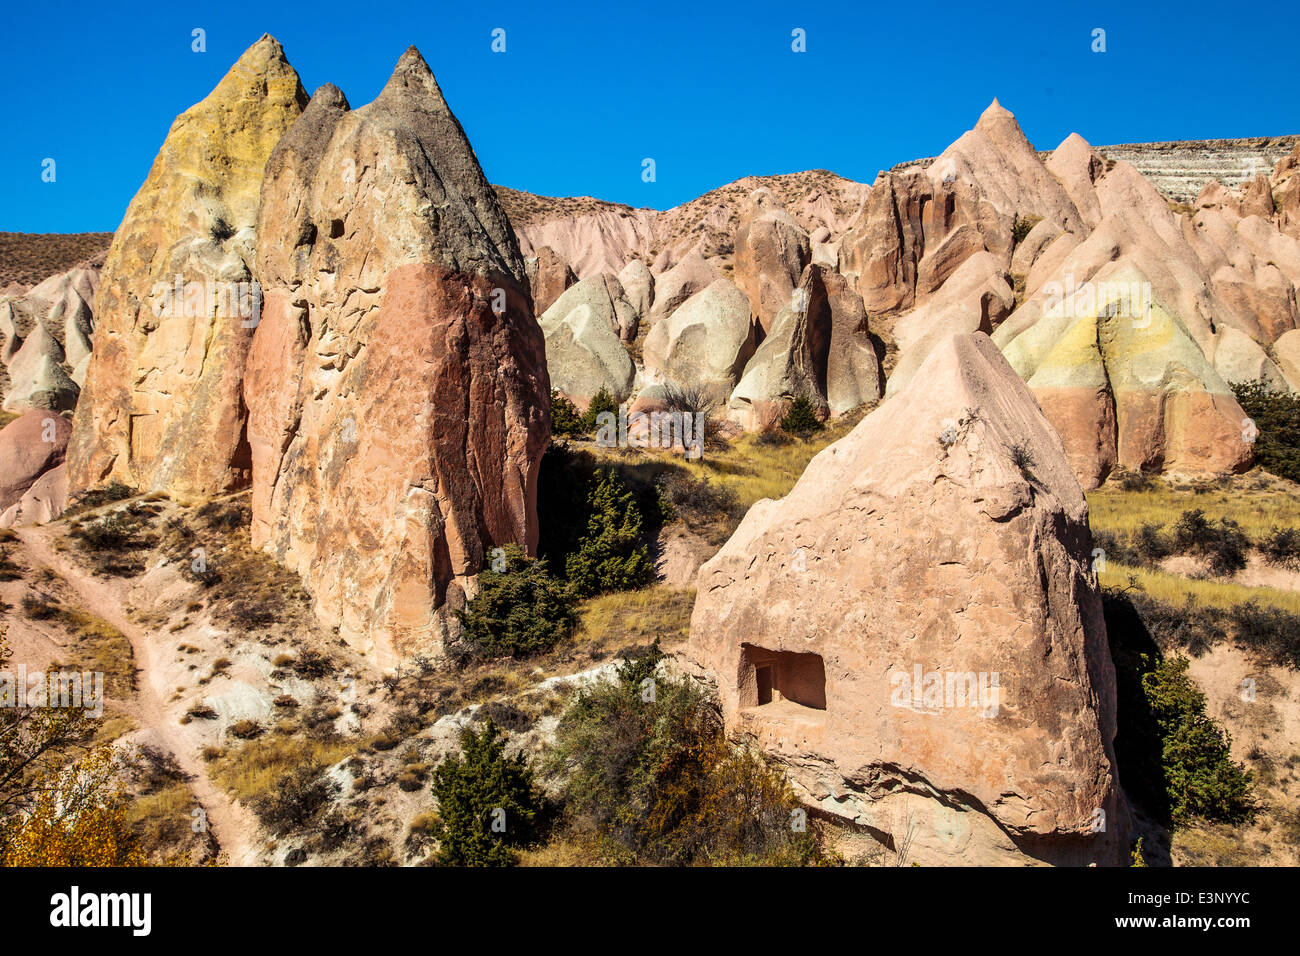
x: 706, y: 342
x: 548, y: 277
x: 44, y: 501
x: 584, y: 341
x: 639, y: 287
x: 915, y: 633
x: 30, y: 445
x: 771, y: 251
x: 398, y: 397
x: 673, y: 287
x: 162, y: 406
x: 820, y: 348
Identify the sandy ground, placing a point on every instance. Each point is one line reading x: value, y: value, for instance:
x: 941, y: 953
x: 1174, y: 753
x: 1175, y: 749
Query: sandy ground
x: 232, y: 824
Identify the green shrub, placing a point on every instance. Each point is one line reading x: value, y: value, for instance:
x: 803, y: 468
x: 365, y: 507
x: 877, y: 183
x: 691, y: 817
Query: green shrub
x: 563, y: 486
x: 478, y: 789
x: 1224, y: 542
x: 611, y: 556
x: 801, y: 417
x: 1151, y: 544
x: 1282, y: 547
x: 115, y: 532
x: 650, y: 778
x: 1024, y: 225
x: 1175, y: 761
x: 1202, y: 779
x: 1276, y: 416
x: 602, y: 401
x: 519, y: 610
x: 565, y: 418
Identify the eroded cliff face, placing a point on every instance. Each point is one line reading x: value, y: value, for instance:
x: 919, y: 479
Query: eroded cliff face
x: 915, y: 631
x: 161, y: 407
x: 397, y: 386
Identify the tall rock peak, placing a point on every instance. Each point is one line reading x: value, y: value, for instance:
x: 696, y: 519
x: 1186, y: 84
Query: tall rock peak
x: 394, y: 290
x: 160, y: 408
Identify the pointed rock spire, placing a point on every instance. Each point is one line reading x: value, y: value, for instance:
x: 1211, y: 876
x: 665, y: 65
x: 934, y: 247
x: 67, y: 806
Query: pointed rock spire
x: 153, y: 414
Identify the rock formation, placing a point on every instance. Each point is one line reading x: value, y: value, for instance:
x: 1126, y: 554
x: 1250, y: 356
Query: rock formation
x: 548, y: 277
x: 771, y: 251
x: 819, y: 348
x: 706, y: 342
x: 45, y: 338
x: 1128, y: 386
x: 31, y: 445
x: 161, y: 408
x: 679, y: 283
x: 585, y: 330
x: 397, y: 388
x: 639, y: 285
x: 915, y: 632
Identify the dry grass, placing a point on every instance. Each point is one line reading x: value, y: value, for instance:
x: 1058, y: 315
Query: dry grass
x: 612, y: 622
x: 163, y: 821
x: 1174, y: 589
x: 98, y: 647
x: 31, y: 257
x: 747, y: 466
x: 257, y: 767
x: 1258, y: 504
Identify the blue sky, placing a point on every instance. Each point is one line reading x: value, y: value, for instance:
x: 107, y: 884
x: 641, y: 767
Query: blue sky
x: 584, y: 93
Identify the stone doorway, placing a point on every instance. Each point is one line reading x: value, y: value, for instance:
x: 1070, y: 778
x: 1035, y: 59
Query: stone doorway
x: 770, y: 677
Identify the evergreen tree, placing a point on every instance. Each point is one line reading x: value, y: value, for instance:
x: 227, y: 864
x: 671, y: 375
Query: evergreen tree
x: 602, y: 401
x: 611, y: 556
x: 519, y: 610
x: 487, y: 803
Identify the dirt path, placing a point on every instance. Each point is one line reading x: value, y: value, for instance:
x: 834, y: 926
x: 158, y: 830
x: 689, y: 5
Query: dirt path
x: 231, y: 823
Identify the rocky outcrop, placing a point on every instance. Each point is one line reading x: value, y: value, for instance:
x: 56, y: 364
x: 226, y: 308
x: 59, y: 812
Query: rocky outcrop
x: 976, y: 298
x: 50, y: 326
x: 397, y: 388
x: 639, y: 287
x: 679, y: 283
x: 31, y: 445
x: 36, y: 375
x: 162, y: 407
x: 548, y: 277
x: 1287, y: 351
x: 1285, y: 187
x: 916, y: 635
x: 820, y: 348
x: 44, y: 501
x: 771, y: 251
x: 706, y: 342
x: 1124, y: 382
x: 913, y: 234
x: 585, y: 330
x: 1181, y: 169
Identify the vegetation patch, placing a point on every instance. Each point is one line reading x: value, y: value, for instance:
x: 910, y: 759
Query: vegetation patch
x: 1174, y: 759
x: 649, y: 778
x: 1276, y: 416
